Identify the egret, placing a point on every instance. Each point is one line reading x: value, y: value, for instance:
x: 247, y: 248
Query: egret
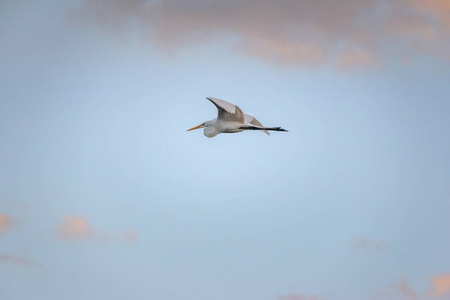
x: 231, y: 119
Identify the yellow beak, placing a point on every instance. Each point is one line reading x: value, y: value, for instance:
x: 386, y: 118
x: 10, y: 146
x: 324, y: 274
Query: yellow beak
x: 196, y: 127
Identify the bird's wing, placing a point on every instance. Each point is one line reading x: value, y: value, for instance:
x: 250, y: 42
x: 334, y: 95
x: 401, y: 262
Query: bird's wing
x: 252, y: 120
x: 227, y: 111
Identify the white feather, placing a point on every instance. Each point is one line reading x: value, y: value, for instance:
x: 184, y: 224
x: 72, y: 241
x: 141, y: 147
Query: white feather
x: 227, y: 106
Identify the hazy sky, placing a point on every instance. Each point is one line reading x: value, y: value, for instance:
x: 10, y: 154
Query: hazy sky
x: 104, y: 195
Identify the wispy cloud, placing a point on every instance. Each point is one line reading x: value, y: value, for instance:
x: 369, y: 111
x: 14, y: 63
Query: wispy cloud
x: 346, y: 33
x: 407, y: 291
x: 441, y: 285
x: 440, y: 289
x: 74, y: 228
x: 6, y: 223
x: 402, y: 290
x: 355, y: 58
x: 7, y: 258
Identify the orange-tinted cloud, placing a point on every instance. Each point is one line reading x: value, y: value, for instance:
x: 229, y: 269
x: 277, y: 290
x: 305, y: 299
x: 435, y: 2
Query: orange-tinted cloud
x: 345, y: 33
x: 440, y: 9
x: 355, y: 58
x: 7, y: 258
x: 80, y: 228
x: 441, y: 286
x: 407, y: 291
x: 72, y: 228
x: 401, y: 290
x: 297, y: 297
x: 6, y: 223
x: 440, y: 289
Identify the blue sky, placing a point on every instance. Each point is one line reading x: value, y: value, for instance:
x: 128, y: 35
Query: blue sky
x: 104, y: 195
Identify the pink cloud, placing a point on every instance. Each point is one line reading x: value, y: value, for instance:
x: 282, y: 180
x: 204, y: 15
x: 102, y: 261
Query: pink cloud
x: 440, y: 289
x: 440, y: 286
x: 398, y: 291
x: 80, y: 228
x: 439, y: 9
x: 7, y: 258
x: 346, y: 33
x: 73, y: 228
x: 407, y: 291
x: 6, y: 223
x: 355, y: 58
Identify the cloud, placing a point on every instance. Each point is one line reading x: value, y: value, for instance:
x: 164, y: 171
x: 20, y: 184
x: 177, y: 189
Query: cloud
x: 401, y: 290
x: 7, y: 258
x: 80, y: 228
x: 6, y: 223
x: 345, y: 33
x: 355, y: 58
x: 297, y: 297
x: 440, y: 9
x: 407, y: 291
x: 440, y: 286
x: 440, y: 289
x: 363, y: 244
x: 74, y: 228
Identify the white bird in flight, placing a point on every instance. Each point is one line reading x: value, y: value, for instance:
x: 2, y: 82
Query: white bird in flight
x: 231, y: 119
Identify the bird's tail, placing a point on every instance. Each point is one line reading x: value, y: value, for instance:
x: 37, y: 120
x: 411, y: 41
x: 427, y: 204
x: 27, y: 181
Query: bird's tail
x: 265, y: 129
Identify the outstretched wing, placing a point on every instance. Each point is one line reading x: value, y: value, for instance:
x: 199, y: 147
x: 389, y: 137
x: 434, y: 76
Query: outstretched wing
x: 252, y: 120
x: 227, y: 111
